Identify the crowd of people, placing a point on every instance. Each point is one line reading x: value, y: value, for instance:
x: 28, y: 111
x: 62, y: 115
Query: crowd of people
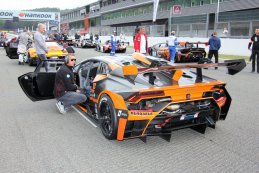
x: 3, y: 35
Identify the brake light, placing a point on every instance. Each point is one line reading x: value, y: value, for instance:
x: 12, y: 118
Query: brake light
x: 140, y: 95
x: 221, y: 101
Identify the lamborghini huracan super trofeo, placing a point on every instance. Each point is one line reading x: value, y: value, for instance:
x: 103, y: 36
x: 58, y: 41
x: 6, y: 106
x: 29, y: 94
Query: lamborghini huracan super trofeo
x: 137, y: 96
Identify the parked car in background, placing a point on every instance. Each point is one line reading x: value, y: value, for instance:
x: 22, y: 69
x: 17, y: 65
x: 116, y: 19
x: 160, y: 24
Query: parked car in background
x: 55, y: 51
x: 186, y: 51
x: 106, y: 47
x: 87, y: 43
x: 2, y: 42
x: 11, y: 46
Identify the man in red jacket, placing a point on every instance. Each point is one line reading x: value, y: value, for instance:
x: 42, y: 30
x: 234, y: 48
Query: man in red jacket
x: 140, y: 42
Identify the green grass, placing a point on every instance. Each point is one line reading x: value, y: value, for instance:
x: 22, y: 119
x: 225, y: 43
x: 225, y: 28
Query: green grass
x: 234, y: 57
x: 131, y: 47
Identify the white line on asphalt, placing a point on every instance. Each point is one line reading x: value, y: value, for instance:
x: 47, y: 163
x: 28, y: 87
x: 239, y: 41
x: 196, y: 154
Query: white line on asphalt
x: 87, y: 119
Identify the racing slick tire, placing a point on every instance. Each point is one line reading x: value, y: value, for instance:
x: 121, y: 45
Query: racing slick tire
x: 105, y: 51
x: 107, y: 117
x: 124, y: 51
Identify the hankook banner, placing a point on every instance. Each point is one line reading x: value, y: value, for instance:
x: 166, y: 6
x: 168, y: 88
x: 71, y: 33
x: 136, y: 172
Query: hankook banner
x: 29, y: 15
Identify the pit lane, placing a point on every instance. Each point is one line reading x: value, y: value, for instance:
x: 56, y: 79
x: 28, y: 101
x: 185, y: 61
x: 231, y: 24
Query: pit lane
x: 35, y: 137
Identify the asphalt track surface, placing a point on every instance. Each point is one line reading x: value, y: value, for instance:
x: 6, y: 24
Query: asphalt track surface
x: 35, y: 137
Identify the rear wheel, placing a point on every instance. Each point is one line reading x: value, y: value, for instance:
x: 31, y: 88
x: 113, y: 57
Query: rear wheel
x: 107, y: 117
x: 104, y: 51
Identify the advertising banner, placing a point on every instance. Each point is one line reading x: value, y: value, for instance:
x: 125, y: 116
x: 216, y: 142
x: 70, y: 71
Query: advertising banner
x: 28, y: 15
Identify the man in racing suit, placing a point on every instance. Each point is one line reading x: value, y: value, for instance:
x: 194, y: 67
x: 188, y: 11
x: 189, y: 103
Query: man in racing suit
x: 66, y: 91
x: 23, y: 40
x: 255, y: 50
x: 113, y: 43
x: 171, y: 42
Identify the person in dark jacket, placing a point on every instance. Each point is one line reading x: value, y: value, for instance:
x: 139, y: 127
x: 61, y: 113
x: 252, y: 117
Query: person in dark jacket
x: 66, y: 91
x: 215, y: 44
x: 255, y: 50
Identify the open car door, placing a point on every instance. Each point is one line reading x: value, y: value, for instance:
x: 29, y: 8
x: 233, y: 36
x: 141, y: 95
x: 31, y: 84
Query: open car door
x: 39, y: 85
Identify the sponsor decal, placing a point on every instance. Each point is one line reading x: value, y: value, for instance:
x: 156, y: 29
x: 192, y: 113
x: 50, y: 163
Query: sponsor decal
x: 6, y: 14
x: 39, y: 16
x: 122, y: 114
x: 189, y: 116
x: 22, y: 14
x: 119, y: 113
x: 141, y: 112
x: 29, y: 15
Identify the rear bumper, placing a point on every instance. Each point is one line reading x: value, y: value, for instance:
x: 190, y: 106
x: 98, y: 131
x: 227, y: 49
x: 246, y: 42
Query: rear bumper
x: 165, y: 122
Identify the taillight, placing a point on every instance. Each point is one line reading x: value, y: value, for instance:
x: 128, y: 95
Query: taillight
x: 221, y: 101
x: 220, y: 98
x: 140, y: 95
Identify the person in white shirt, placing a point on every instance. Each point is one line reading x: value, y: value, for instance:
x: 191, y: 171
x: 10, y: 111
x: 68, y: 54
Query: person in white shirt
x: 172, y: 42
x: 24, y: 38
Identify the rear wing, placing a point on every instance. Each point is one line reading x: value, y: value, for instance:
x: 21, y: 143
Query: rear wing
x: 130, y: 72
x: 186, y: 43
x: 123, y: 43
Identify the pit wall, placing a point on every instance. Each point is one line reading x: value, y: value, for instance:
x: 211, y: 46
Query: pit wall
x: 228, y: 46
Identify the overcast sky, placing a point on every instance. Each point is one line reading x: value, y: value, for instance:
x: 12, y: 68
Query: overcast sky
x: 31, y: 4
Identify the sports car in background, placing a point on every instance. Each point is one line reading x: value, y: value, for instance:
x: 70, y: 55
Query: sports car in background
x: 2, y: 42
x: 55, y: 51
x: 186, y: 51
x: 135, y: 96
x: 70, y: 41
x: 121, y: 47
x: 11, y: 46
x: 87, y: 43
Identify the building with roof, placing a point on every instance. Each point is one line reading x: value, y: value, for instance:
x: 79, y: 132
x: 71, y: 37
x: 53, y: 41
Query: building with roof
x: 198, y: 18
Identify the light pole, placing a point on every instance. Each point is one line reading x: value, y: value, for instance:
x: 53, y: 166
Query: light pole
x: 217, y: 16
